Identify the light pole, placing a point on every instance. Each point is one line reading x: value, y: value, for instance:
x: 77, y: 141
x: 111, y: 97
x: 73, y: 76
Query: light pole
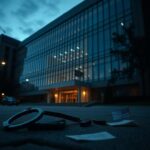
x: 2, y: 64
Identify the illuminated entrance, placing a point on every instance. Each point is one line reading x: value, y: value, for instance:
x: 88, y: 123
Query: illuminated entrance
x: 66, y: 96
x: 70, y: 95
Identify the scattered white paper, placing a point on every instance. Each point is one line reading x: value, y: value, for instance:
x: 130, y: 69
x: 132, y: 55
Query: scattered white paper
x: 122, y: 123
x: 120, y: 114
x: 92, y: 136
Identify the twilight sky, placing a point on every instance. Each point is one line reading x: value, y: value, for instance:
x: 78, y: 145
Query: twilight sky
x: 21, y: 18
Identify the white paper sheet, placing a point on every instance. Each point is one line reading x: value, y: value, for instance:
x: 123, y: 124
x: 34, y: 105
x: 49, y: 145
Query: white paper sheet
x: 120, y: 114
x: 92, y: 136
x: 121, y: 123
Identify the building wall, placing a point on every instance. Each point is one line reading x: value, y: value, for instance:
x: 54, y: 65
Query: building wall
x: 80, y: 42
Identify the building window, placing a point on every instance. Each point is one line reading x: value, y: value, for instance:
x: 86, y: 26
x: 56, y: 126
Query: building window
x: 112, y: 10
x: 119, y: 8
x: 106, y: 11
x: 90, y: 17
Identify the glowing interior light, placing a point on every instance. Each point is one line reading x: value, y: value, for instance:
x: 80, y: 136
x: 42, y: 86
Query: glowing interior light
x: 72, y: 50
x: 27, y: 80
x: 65, y: 52
x: 78, y: 47
x: 54, y: 56
x: 122, y: 24
x: 64, y: 61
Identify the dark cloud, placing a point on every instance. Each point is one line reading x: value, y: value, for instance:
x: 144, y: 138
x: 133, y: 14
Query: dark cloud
x: 27, y: 8
x: 27, y: 16
x: 27, y: 31
x: 8, y: 30
x: 2, y: 29
x: 4, y: 2
x: 40, y: 22
x: 51, y: 5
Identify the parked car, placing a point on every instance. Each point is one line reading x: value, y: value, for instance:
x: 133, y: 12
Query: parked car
x: 7, y: 100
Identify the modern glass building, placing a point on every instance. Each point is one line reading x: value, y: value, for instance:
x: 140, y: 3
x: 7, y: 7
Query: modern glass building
x: 69, y: 60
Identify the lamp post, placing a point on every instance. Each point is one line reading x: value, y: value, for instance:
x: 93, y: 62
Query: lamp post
x: 2, y: 81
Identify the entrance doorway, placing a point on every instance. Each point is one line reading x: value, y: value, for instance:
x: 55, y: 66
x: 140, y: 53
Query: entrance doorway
x: 66, y: 96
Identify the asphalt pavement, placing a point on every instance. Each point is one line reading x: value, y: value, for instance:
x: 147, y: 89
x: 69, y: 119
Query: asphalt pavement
x: 127, y: 138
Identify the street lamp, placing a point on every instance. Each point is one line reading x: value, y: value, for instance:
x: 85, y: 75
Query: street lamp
x: 3, y: 94
x: 2, y: 80
x: 3, y: 63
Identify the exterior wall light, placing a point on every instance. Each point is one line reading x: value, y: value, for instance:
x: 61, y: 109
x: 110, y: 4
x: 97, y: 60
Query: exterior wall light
x: 84, y: 93
x: 56, y: 95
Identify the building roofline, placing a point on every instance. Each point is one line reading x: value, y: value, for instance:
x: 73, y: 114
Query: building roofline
x: 72, y: 12
x: 9, y: 39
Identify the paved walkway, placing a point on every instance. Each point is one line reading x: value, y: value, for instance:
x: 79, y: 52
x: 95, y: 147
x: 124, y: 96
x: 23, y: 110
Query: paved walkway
x: 127, y: 138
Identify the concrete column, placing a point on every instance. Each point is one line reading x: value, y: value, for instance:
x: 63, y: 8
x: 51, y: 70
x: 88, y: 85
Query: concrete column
x: 79, y: 95
x: 48, y: 98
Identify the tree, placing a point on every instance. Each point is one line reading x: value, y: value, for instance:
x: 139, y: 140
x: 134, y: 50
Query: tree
x: 133, y: 51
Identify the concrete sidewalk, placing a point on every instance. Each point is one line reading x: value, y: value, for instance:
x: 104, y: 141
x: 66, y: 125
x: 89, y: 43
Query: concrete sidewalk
x: 130, y: 138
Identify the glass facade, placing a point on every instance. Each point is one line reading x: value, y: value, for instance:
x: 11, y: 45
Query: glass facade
x: 82, y: 42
